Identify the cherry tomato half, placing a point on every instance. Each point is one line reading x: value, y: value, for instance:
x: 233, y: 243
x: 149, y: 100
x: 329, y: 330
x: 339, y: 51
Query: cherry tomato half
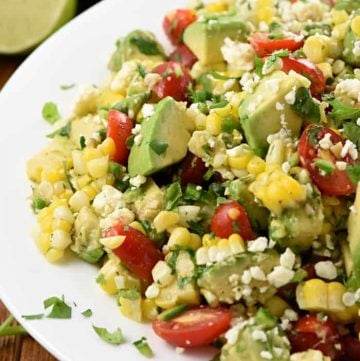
x: 338, y: 182
x: 192, y: 170
x: 264, y: 46
x: 137, y: 252
x: 194, y: 327
x: 312, y: 333
x: 231, y: 218
x: 175, y: 22
x: 309, y: 70
x: 351, y: 346
x: 119, y: 129
x: 174, y: 82
x: 183, y: 55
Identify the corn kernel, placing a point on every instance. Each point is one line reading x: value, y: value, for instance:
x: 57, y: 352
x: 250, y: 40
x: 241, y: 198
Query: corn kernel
x: 64, y: 213
x: 109, y: 271
x: 236, y: 243
x: 43, y: 241
x: 213, y: 124
x: 131, y: 308
x: 326, y: 69
x: 46, y: 225
x: 109, y: 97
x: 336, y: 291
x: 216, y: 7
x: 107, y: 147
x: 91, y: 153
x: 62, y: 225
x: 90, y: 191
x: 52, y: 175
x: 179, y: 237
x: 239, y: 162
x: 355, y: 25
x: 149, y: 309
x: 54, y: 254
x: 312, y: 295
x: 98, y: 167
x: 165, y: 220
x: 209, y: 240
x: 339, y: 31
x: 256, y: 165
x: 83, y: 181
x: 316, y: 49
x: 265, y: 11
x: 79, y: 200
x: 162, y: 274
x: 112, y: 242
x: 60, y: 239
x: 79, y: 162
x: 195, y: 241
x: 138, y: 226
x: 339, y: 16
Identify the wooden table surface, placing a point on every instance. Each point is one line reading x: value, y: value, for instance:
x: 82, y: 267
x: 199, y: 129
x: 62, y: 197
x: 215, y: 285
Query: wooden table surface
x: 23, y: 348
x: 19, y: 348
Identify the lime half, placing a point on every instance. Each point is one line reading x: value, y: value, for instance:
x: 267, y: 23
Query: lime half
x: 26, y: 23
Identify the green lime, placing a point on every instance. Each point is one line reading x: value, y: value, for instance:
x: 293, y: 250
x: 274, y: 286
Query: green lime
x: 26, y: 23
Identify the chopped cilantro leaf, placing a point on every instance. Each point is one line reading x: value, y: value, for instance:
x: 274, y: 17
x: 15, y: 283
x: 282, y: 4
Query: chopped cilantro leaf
x: 145, y: 45
x: 342, y: 111
x: 87, y: 313
x: 325, y: 166
x: 220, y: 104
x: 305, y: 106
x: 100, y: 279
x: 82, y: 142
x: 352, y: 132
x: 39, y: 203
x: 219, y: 76
x: 144, y: 347
x: 59, y: 309
x: 141, y: 70
x: 259, y: 66
x: 173, y: 195
x: 158, y: 147
x: 113, y: 338
x: 130, y: 294
x: 62, y: 132
x: 33, y: 317
x: 50, y: 112
x: 353, y: 171
x: 67, y: 87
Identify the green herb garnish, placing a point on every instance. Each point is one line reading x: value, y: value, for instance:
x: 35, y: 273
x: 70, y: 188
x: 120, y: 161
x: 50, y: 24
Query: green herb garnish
x: 158, y: 147
x: 130, y: 294
x: 305, y: 106
x: 59, y: 309
x: 144, y: 348
x: 87, y: 313
x: 38, y: 316
x: 50, y: 112
x: 113, y: 338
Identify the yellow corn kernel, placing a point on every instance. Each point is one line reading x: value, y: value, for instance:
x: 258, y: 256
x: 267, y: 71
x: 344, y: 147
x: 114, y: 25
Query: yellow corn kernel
x: 34, y: 169
x: 109, y: 97
x: 316, y: 49
x: 98, y: 167
x: 339, y: 31
x: 213, y: 124
x: 216, y: 7
x: 65, y: 195
x: 256, y: 165
x: 239, y: 162
x: 131, y: 308
x: 61, y: 225
x: 79, y: 200
x: 107, y: 147
x: 138, y: 226
x: 355, y: 25
x: 236, y: 243
x: 44, y: 213
x: 90, y: 191
x: 52, y: 175
x: 43, y: 241
x: 265, y: 11
x: 112, y: 242
x: 83, y: 181
x: 108, y: 272
x: 339, y: 16
x: 326, y: 69
x: 110, y: 179
x: 91, y: 153
x: 209, y: 240
x: 54, y: 254
x: 336, y: 291
x: 165, y: 220
x: 195, y: 241
x: 350, y: 314
x: 312, y: 295
x: 46, y: 224
x: 180, y: 236
x: 149, y: 309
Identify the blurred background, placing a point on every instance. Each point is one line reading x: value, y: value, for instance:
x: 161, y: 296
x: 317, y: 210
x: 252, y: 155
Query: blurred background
x: 22, y: 348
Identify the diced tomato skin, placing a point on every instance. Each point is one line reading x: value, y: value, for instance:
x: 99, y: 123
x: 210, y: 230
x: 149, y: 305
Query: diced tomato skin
x: 119, y: 130
x: 208, y: 324
x: 308, y: 69
x: 175, y: 22
x: 336, y: 184
x: 223, y: 226
x: 192, y: 170
x: 137, y: 252
x: 183, y: 55
x: 175, y: 81
x: 264, y: 46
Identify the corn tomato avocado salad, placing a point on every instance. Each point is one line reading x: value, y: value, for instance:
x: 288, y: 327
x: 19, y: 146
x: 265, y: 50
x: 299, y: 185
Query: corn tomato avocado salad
x: 217, y: 186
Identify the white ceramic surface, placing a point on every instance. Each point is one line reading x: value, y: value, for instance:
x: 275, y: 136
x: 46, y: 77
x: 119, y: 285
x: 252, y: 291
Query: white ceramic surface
x: 78, y: 53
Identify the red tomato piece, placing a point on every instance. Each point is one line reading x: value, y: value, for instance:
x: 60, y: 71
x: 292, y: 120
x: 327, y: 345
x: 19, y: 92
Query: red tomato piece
x: 312, y: 333
x: 309, y: 70
x: 351, y: 346
x: 192, y: 170
x: 175, y: 22
x: 183, y: 55
x: 231, y: 218
x: 137, y: 252
x: 119, y: 129
x: 264, y: 46
x: 175, y: 81
x: 194, y: 327
x: 338, y: 182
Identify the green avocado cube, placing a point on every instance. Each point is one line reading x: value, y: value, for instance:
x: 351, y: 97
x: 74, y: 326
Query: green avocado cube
x: 206, y: 37
x: 164, y: 139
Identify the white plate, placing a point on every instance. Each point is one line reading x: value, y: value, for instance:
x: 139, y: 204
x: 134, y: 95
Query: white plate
x: 78, y: 53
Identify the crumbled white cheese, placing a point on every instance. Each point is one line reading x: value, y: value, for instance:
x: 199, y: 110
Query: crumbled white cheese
x: 86, y: 101
x: 251, y: 107
x: 325, y: 142
x: 291, y: 96
x: 353, y: 209
x: 309, y: 355
x: 257, y: 273
x: 356, y: 48
x: 326, y: 269
x: 280, y: 276
x: 107, y: 201
x: 239, y: 56
x: 123, y: 215
x: 124, y: 76
x: 258, y: 245
x: 349, y: 299
x: 273, y: 85
x: 137, y: 181
x: 285, y: 167
x: 312, y: 10
x: 148, y: 110
x: 287, y: 259
x: 349, y: 148
x: 151, y: 79
x: 138, y: 139
x: 279, y: 106
x: 249, y: 82
x: 232, y: 335
x: 152, y: 291
x: 246, y: 277
x: 259, y: 335
x: 290, y: 315
x: 341, y: 165
x: 266, y: 355
x: 348, y: 88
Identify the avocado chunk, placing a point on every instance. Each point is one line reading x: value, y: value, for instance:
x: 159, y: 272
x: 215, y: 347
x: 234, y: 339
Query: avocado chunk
x: 299, y: 227
x: 350, y: 54
x: 132, y: 104
x: 164, y: 139
x: 258, y: 112
x: 258, y: 339
x: 354, y: 240
x: 223, y: 279
x: 138, y: 45
x: 87, y: 236
x: 206, y: 37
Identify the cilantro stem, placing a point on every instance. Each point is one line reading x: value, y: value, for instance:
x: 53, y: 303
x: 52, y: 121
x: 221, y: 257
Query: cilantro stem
x: 12, y: 331
x: 7, y: 322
